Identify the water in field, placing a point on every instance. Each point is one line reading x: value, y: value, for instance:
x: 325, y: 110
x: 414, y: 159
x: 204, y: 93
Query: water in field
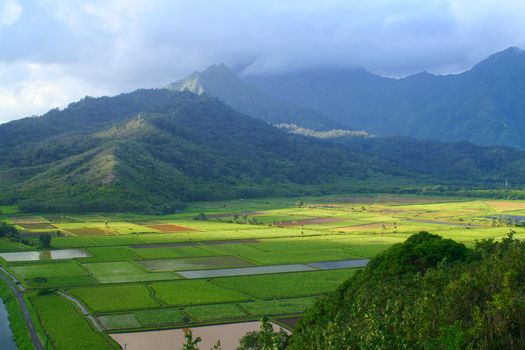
x: 342, y: 264
x: 245, y: 271
x: 45, y: 255
x: 6, y: 336
x: 173, y: 339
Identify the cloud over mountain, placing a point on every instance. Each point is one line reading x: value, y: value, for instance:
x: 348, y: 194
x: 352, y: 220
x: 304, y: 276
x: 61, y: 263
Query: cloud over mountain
x: 103, y: 47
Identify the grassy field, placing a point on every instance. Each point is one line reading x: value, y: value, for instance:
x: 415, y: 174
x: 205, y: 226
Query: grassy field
x: 65, y: 327
x: 131, y: 279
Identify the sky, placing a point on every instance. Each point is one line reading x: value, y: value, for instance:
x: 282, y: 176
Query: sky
x: 53, y: 52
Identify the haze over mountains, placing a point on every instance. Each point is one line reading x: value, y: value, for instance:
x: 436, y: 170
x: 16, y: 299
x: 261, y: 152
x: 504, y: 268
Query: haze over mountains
x: 485, y: 105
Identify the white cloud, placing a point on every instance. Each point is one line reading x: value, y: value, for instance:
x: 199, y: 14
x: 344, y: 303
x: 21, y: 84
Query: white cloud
x: 32, y: 88
x: 10, y: 11
x: 107, y: 46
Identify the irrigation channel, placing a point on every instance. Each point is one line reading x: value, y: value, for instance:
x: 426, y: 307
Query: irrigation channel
x: 17, y: 290
x: 6, y: 335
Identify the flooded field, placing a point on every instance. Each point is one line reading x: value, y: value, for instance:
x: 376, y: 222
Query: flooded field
x: 245, y: 271
x: 173, y: 339
x: 45, y: 255
x: 343, y: 264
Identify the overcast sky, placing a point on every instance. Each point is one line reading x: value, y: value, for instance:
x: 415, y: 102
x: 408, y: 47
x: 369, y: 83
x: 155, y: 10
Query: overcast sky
x: 53, y: 52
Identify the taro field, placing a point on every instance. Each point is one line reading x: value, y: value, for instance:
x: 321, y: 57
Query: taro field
x: 218, y: 262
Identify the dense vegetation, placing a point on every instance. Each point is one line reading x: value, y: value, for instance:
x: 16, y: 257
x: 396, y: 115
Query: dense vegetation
x: 484, y: 105
x: 154, y: 150
x: 426, y: 293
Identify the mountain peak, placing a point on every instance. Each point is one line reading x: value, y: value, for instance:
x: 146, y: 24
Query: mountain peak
x: 218, y: 71
x: 512, y: 50
x: 507, y: 63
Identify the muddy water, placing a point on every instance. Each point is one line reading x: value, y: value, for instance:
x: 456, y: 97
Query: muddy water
x: 6, y: 336
x: 173, y: 339
x: 45, y: 255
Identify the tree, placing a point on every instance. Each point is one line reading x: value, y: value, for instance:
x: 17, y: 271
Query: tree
x: 299, y: 203
x: 265, y: 339
x: 191, y: 343
x: 8, y: 230
x: 45, y: 240
x: 202, y: 217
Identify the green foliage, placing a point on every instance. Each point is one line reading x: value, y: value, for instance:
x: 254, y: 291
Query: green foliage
x: 190, y: 343
x: 265, y: 339
x: 44, y: 240
x: 450, y: 300
x: 417, y: 254
x: 8, y: 231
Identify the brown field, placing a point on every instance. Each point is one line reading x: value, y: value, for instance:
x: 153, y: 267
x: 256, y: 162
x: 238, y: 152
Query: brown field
x: 41, y: 226
x: 505, y: 205
x: 28, y: 220
x: 313, y: 221
x: 170, y: 228
x: 87, y: 231
x: 173, y: 339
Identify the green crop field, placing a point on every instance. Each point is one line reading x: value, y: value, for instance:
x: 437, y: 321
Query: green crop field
x: 132, y: 279
x: 206, y: 313
x: 286, y: 284
x: 124, y: 271
x: 115, y: 298
x: 65, y: 327
x: 195, y: 292
x: 278, y: 307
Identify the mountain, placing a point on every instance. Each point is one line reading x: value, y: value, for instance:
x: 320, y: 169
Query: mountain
x: 220, y: 82
x: 485, y: 105
x: 153, y: 150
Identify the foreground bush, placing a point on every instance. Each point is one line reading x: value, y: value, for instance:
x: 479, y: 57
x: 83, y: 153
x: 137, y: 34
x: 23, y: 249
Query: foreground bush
x: 426, y: 293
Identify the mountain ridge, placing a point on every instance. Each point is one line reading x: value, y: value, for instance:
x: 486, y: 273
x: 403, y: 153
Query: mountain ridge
x: 220, y: 82
x: 165, y: 148
x: 484, y: 105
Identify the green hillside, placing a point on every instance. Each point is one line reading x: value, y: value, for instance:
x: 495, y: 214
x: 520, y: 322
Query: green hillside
x: 154, y: 150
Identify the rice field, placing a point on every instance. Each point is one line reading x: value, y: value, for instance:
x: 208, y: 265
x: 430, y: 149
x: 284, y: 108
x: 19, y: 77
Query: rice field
x: 135, y: 271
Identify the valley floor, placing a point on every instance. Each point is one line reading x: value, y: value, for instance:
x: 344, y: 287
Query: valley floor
x: 219, y: 262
